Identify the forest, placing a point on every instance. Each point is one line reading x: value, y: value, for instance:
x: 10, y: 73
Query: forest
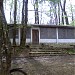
x: 56, y: 12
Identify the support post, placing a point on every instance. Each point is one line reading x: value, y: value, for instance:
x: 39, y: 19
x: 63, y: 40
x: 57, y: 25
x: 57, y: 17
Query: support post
x: 57, y: 35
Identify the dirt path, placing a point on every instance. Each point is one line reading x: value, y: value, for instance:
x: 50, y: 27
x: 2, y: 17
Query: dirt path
x: 52, y: 65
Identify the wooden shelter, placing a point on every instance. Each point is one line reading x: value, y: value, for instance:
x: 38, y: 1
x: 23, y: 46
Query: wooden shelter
x: 48, y: 34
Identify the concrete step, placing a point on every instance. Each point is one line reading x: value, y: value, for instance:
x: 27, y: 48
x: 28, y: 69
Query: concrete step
x: 50, y: 48
x: 46, y: 50
x: 45, y: 53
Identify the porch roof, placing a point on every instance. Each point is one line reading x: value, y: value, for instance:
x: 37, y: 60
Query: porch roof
x: 52, y: 26
x: 46, y: 26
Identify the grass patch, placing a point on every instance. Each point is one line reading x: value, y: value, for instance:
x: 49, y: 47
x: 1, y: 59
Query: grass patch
x: 70, y: 51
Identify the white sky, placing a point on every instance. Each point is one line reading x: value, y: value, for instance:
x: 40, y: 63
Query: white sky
x: 31, y: 14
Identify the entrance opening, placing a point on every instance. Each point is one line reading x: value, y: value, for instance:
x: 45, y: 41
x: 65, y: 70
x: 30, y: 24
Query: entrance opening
x: 35, y: 36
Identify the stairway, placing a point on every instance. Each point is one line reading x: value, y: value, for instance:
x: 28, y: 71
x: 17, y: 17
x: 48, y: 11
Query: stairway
x: 37, y: 50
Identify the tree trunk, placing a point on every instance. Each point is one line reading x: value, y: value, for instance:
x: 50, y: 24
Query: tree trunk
x: 56, y: 20
x: 14, y: 29
x: 64, y: 11
x: 24, y: 22
x: 5, y: 46
x: 62, y: 16
x: 66, y: 18
x: 22, y: 28
x: 59, y: 13
x: 36, y: 12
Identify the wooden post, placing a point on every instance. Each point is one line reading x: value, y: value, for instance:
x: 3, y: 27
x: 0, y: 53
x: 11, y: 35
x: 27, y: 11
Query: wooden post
x: 57, y: 35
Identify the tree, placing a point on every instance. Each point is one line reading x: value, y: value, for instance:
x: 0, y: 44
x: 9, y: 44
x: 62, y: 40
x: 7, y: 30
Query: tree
x: 72, y: 12
x: 54, y: 10
x: 55, y: 13
x: 24, y: 22
x: 64, y: 12
x: 14, y: 29
x: 5, y: 47
x: 36, y: 12
x: 59, y: 14
x: 11, y: 7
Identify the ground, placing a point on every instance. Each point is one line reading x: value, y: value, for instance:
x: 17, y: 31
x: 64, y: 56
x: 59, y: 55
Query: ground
x: 50, y: 65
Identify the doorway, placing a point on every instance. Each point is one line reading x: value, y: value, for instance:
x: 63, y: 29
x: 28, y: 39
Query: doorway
x: 35, y: 36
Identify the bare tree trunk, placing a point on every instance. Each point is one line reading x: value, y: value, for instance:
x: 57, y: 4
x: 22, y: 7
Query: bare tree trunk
x: 59, y: 12
x: 72, y: 11
x: 64, y: 11
x: 66, y: 18
x: 24, y: 22
x: 56, y: 20
x: 14, y: 29
x: 26, y: 17
x: 5, y: 46
x: 36, y: 12
x: 23, y: 18
x: 62, y: 16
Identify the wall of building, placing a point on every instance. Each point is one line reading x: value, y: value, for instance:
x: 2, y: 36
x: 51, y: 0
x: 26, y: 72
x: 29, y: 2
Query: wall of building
x: 57, y: 35
x: 66, y: 33
x: 18, y: 35
x: 48, y: 35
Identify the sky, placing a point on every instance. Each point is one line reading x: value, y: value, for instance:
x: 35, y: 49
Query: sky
x: 31, y: 14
